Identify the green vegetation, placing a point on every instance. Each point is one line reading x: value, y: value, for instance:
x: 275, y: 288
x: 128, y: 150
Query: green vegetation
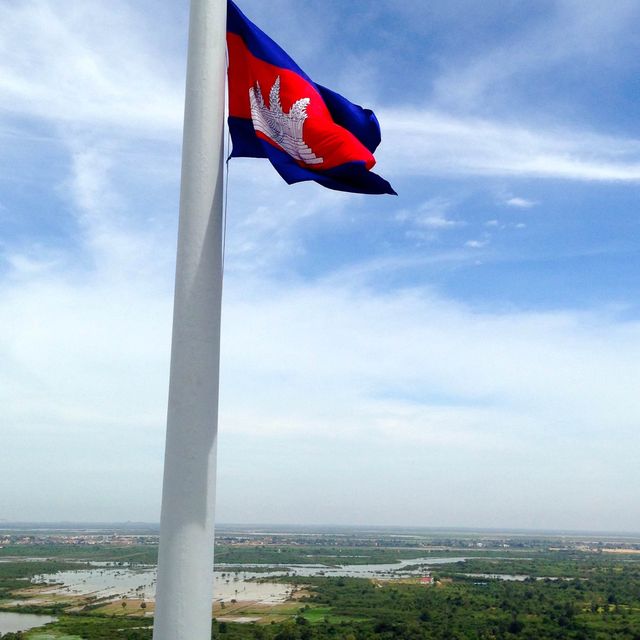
x: 49, y: 636
x: 142, y: 554
x: 245, y: 554
x: 604, y: 606
x: 566, y: 564
x: 102, y: 627
x: 78, y: 627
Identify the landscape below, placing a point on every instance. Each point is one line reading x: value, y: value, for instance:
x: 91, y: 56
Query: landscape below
x: 97, y: 583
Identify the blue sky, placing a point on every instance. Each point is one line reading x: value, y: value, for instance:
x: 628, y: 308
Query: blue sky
x: 466, y: 354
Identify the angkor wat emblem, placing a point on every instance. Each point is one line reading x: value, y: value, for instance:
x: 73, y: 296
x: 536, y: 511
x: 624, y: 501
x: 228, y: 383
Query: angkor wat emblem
x: 285, y: 129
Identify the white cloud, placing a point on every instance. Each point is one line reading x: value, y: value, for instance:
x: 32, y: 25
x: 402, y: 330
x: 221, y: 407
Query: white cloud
x: 87, y: 64
x: 520, y: 203
x: 27, y: 264
x: 83, y: 384
x: 408, y: 371
x: 426, y: 389
x: 432, y: 143
x: 476, y: 244
x: 437, y: 349
x: 437, y: 222
x: 268, y: 220
x: 430, y: 215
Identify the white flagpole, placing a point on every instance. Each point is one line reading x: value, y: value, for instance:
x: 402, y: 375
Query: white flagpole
x: 184, y: 591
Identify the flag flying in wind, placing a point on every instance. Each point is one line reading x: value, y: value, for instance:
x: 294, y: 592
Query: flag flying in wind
x: 277, y: 112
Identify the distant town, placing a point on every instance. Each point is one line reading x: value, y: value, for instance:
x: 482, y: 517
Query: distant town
x: 123, y: 535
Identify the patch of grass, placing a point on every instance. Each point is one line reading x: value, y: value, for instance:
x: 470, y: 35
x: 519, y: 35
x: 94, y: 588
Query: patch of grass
x: 83, y: 627
x: 315, y: 617
x: 50, y: 636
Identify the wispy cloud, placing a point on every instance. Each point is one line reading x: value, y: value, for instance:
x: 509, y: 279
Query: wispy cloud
x: 570, y: 31
x: 437, y: 222
x: 520, y: 203
x: 427, y: 220
x: 426, y: 327
x: 87, y: 64
x: 476, y: 244
x: 432, y: 143
x: 269, y: 221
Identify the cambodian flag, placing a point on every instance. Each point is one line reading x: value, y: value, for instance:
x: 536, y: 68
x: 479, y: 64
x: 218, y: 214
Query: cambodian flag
x: 308, y: 132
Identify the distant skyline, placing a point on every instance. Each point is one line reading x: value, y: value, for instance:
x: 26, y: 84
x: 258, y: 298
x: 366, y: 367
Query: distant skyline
x: 284, y: 529
x: 464, y: 355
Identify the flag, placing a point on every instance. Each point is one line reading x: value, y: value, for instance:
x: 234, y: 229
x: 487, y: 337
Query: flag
x: 307, y: 131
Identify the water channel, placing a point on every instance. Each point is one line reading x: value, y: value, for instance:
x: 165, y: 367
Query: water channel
x: 13, y: 622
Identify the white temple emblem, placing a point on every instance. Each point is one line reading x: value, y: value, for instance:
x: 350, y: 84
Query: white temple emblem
x: 283, y: 128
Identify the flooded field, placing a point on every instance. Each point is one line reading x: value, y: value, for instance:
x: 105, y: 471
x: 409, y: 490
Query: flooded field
x: 401, y: 569
x: 498, y: 576
x: 101, y: 582
x: 107, y: 581
x: 140, y: 583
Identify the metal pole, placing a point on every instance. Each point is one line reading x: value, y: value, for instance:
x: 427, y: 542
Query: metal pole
x: 185, y: 564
